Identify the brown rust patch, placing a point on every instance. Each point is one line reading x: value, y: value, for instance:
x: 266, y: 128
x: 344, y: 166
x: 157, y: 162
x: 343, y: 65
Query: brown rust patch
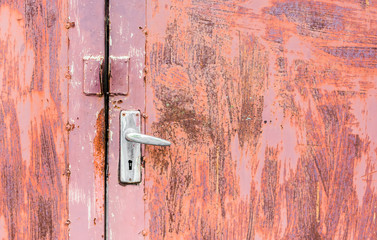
x: 99, y: 144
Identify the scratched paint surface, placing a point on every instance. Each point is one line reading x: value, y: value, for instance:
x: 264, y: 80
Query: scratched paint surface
x: 271, y: 109
x: 33, y: 107
x: 86, y: 118
x: 125, y: 203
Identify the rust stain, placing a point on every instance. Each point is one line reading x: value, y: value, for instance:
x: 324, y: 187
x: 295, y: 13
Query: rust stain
x: 276, y: 98
x: 99, y: 144
x: 99, y: 161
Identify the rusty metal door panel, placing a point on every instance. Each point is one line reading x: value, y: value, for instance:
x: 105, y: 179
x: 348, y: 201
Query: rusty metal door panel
x: 271, y: 108
x: 86, y: 122
x: 33, y: 113
x: 127, y: 44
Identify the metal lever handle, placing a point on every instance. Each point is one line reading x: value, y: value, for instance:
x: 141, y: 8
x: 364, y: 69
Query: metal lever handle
x: 130, y: 167
x: 133, y: 136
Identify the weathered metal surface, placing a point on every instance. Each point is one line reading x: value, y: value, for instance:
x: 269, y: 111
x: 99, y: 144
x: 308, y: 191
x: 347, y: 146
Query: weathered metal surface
x: 127, y: 39
x: 87, y: 118
x: 271, y: 110
x: 33, y: 113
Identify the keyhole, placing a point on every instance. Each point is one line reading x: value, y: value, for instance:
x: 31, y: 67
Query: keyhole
x: 129, y: 164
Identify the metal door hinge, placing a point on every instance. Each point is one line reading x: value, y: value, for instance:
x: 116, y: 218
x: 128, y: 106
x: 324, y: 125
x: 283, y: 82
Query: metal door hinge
x: 119, y: 69
x: 119, y: 75
x: 92, y: 75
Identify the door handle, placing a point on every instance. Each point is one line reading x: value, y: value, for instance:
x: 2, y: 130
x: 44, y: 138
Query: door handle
x: 130, y: 146
x: 133, y: 136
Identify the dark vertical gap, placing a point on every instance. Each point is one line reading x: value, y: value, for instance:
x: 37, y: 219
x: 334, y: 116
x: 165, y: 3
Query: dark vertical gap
x: 105, y: 85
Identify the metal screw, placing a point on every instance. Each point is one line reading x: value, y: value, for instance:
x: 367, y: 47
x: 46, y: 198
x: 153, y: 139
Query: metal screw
x: 67, y: 222
x: 144, y: 233
x: 144, y: 115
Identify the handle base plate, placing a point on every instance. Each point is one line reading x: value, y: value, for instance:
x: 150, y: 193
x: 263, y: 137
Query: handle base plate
x: 130, y: 152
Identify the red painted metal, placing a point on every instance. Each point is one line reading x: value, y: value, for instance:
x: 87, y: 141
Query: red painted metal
x: 87, y: 118
x: 125, y: 202
x: 33, y: 113
x: 270, y: 106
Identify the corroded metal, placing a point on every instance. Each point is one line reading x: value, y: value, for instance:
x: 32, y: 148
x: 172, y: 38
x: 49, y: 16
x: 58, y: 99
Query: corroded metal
x: 33, y: 114
x: 271, y: 108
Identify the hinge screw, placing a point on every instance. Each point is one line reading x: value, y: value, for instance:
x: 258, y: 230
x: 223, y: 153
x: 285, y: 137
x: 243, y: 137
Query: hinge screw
x: 67, y: 222
x: 144, y: 233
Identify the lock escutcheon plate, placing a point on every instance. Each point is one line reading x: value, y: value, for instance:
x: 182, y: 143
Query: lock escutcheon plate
x: 130, y: 152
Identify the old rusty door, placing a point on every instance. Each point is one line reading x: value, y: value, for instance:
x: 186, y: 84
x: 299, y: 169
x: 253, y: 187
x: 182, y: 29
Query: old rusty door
x: 270, y: 106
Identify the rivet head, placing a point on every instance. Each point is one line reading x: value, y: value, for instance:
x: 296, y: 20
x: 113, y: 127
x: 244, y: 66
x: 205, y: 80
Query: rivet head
x: 69, y: 25
x: 69, y: 126
x: 68, y: 75
x: 67, y: 172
